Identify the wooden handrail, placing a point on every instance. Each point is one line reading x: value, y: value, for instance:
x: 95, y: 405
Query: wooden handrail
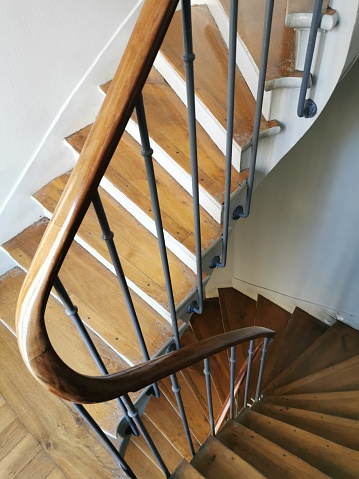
x: 107, y: 130
x: 66, y: 383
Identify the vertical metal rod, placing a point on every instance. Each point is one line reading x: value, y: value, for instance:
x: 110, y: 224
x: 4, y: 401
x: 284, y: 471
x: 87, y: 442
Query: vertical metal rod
x: 232, y: 65
x: 108, y: 236
x: 72, y: 311
x: 310, y: 108
x: 105, y: 440
x: 188, y: 58
x: 147, y: 153
x: 261, y: 369
x: 232, y: 361
x: 176, y: 388
x: 133, y: 413
x: 249, y: 367
x: 244, y: 212
x: 207, y: 374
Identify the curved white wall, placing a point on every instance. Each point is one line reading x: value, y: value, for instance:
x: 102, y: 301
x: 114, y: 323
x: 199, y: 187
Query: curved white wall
x: 53, y: 57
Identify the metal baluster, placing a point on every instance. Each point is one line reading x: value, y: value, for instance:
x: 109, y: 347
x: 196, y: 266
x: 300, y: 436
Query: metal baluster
x: 108, y: 236
x: 308, y: 108
x: 147, y: 153
x: 249, y: 367
x: 207, y: 374
x: 133, y: 413
x: 72, y: 311
x: 261, y: 369
x: 176, y: 388
x: 232, y: 361
x: 241, y: 212
x: 232, y: 65
x: 188, y: 58
x: 105, y: 440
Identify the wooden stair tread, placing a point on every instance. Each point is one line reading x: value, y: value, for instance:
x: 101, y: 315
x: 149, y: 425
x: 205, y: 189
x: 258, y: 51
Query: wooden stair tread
x: 303, y: 6
x: 186, y: 471
x: 337, y: 429
x: 267, y: 457
x: 211, y: 84
x: 338, y: 343
x: 162, y: 415
x: 60, y: 431
x: 139, y: 463
x: 169, y: 454
x: 327, y: 456
x: 342, y: 404
x: 301, y: 331
x: 343, y: 376
x: 281, y: 58
x: 65, y: 339
x: 168, y: 128
x: 137, y: 247
x: 215, y: 460
x: 176, y: 204
x: 88, y: 282
x: 197, y: 420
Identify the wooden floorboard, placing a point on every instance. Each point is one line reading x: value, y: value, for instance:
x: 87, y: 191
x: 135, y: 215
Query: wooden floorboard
x: 51, y: 424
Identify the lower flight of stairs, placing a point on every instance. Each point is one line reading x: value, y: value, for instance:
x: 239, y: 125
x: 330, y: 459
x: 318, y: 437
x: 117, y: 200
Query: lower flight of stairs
x: 305, y: 425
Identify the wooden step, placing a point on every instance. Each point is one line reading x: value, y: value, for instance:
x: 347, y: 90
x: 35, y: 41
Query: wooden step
x: 281, y: 58
x: 169, y: 454
x: 343, y: 376
x: 197, y: 420
x: 186, y: 471
x: 167, y: 119
x: 301, y: 331
x: 340, y: 430
x: 127, y: 173
x: 162, y: 415
x: 211, y: 84
x: 137, y: 247
x: 140, y: 464
x: 342, y: 404
x: 337, y: 344
x: 215, y: 460
x: 88, y: 282
x: 327, y: 456
x: 69, y: 345
x: 52, y: 422
x: 271, y: 460
x: 208, y: 324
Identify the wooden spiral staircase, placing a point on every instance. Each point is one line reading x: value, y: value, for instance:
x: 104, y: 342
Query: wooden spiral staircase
x: 306, y: 422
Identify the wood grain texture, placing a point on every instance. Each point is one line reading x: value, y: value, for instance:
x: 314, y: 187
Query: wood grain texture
x: 215, y: 460
x: 339, y: 430
x: 337, y: 344
x: 168, y: 127
x: 267, y: 457
x: 116, y: 110
x: 95, y: 291
x: 330, y: 458
x: 281, y: 61
x: 68, y: 343
x: 211, y: 83
x: 343, y: 404
x: 51, y: 422
x: 137, y: 247
x: 127, y: 173
x: 303, y: 6
x: 186, y: 471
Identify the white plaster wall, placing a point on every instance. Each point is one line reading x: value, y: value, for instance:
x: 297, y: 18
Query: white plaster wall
x: 53, y: 57
x: 302, y: 238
